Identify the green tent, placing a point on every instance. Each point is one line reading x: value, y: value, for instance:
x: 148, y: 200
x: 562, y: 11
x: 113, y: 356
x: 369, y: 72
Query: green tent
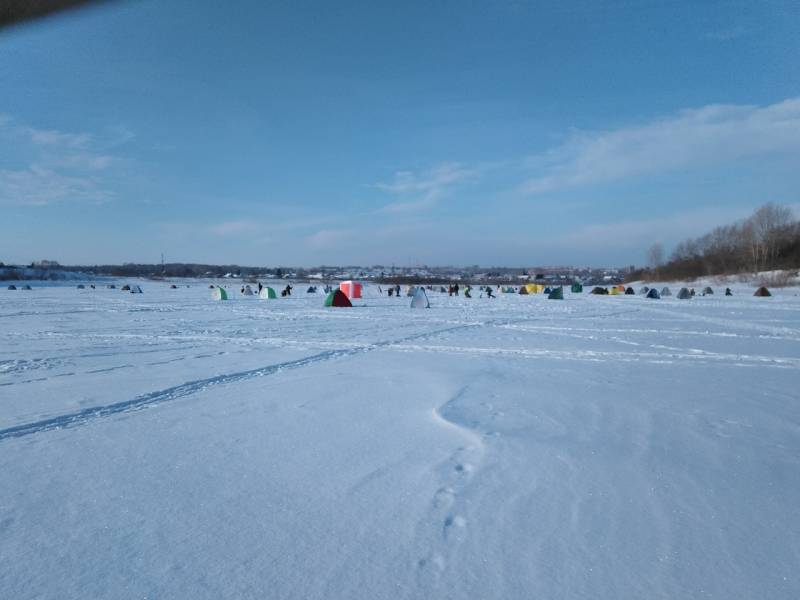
x: 577, y: 288
x: 267, y: 293
x: 337, y: 298
x: 556, y: 293
x: 219, y: 294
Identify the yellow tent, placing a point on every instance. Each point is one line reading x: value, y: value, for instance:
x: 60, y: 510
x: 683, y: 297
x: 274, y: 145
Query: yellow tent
x: 613, y: 291
x: 532, y: 288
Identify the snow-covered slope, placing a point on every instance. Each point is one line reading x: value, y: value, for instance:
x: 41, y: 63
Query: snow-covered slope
x: 166, y: 446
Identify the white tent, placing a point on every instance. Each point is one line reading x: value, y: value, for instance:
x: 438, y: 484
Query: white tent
x: 248, y: 291
x: 135, y: 289
x: 420, y: 299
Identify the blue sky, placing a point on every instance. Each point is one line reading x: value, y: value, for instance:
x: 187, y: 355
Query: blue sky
x: 302, y: 133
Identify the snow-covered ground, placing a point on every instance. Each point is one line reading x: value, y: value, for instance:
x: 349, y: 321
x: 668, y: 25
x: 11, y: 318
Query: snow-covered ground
x: 164, y: 445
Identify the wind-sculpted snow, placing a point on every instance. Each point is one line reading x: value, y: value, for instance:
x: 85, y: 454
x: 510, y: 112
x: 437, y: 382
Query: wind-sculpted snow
x: 165, y: 445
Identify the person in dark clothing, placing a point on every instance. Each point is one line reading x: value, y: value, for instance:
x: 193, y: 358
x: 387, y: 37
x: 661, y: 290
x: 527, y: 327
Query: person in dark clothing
x: 390, y: 291
x: 260, y: 287
x: 397, y: 290
x: 489, y: 293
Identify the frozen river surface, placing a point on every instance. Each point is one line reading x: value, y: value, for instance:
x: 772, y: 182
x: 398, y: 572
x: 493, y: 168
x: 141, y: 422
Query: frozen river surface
x: 164, y: 445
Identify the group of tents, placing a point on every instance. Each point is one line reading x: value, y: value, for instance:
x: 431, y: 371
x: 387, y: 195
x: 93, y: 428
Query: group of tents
x: 653, y: 293
x: 340, y: 297
x: 133, y: 289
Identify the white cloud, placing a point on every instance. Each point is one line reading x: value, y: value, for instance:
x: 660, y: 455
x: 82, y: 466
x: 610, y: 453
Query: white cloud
x: 330, y: 238
x: 229, y: 228
x: 52, y: 137
x: 61, y: 166
x: 38, y: 186
x: 420, y: 191
x: 714, y: 134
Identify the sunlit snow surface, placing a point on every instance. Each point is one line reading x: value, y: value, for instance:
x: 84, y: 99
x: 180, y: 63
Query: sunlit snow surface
x: 164, y: 445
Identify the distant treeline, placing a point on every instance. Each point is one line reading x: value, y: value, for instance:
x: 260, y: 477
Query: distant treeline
x: 767, y: 240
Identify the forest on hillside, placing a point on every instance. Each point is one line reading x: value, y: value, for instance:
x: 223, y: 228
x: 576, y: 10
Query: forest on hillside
x: 767, y: 240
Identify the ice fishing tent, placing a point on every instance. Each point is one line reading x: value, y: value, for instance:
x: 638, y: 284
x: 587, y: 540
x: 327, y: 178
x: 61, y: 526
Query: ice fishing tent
x: 684, y: 294
x: 135, y: 289
x: 577, y: 288
x: 351, y: 289
x: 81, y: 286
x: 26, y: 287
x: 762, y: 292
x: 411, y: 290
x: 666, y: 292
x: 653, y: 294
x: 219, y: 294
x: 420, y: 299
x: 614, y: 291
x: 125, y: 288
x: 111, y: 286
x: 556, y: 294
x: 644, y: 290
x: 173, y: 287
x: 247, y: 290
x: 337, y: 298
x: 621, y: 289
x: 707, y: 291
x: 12, y: 287
x: 267, y: 293
x: 442, y: 289
x: 599, y: 291
x: 629, y: 291
x: 312, y: 289
x: 523, y: 290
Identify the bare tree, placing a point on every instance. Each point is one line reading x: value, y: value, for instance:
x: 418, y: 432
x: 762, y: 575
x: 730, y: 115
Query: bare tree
x: 764, y: 232
x: 655, y: 256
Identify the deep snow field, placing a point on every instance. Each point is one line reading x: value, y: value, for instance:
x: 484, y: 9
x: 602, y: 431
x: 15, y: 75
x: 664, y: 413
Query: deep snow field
x: 164, y: 445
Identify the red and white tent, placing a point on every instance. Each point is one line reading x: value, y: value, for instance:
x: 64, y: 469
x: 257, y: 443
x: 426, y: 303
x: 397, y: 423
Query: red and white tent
x: 351, y: 289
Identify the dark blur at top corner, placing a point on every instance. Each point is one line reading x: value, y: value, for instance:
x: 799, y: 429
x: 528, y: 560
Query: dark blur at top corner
x: 25, y: 12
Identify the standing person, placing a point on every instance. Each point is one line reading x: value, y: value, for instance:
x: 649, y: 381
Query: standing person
x: 260, y: 287
x: 397, y: 290
x: 489, y: 292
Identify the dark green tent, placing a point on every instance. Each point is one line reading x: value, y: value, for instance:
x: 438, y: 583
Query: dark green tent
x: 556, y: 294
x: 762, y: 292
x: 337, y: 298
x: 577, y: 288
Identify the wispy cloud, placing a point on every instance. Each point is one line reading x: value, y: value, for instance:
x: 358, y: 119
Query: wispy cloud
x: 61, y: 165
x: 229, y: 228
x: 725, y: 35
x: 52, y: 137
x: 38, y: 186
x: 714, y: 134
x: 329, y: 238
x: 420, y: 191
